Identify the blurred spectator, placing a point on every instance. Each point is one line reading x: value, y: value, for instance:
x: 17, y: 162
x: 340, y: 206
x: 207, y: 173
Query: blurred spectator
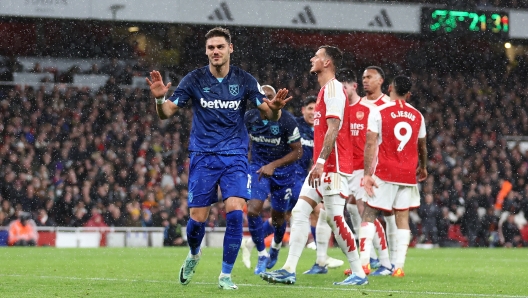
x: 489, y: 228
x: 23, y: 232
x: 512, y: 234
x: 113, y: 68
x: 43, y: 220
x: 4, y: 219
x: 80, y: 218
x: 94, y: 69
x: 173, y: 235
x: 133, y: 219
x: 429, y: 213
x: 443, y: 225
x: 470, y: 219
x: 116, y: 220
x: 37, y: 68
x: 96, y: 221
x: 146, y: 218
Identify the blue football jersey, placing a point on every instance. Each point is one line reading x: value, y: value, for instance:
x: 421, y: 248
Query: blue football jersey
x: 307, y: 136
x: 218, y: 109
x: 270, y: 140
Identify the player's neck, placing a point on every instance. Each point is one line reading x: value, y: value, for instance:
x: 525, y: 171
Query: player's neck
x: 354, y: 99
x: 398, y: 98
x: 219, y: 72
x: 374, y: 95
x: 324, y: 77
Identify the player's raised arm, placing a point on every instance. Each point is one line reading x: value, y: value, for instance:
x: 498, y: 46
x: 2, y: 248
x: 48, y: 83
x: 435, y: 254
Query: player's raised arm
x: 158, y: 89
x: 272, y: 109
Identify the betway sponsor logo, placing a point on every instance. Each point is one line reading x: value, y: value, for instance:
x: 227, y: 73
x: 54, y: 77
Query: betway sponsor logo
x: 220, y: 104
x: 355, y: 128
x: 262, y: 139
x: 308, y: 143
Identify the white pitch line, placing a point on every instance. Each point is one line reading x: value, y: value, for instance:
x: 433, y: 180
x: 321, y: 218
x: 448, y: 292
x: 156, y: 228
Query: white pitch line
x: 364, y: 289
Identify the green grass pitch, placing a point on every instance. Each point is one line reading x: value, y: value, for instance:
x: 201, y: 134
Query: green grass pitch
x: 153, y: 272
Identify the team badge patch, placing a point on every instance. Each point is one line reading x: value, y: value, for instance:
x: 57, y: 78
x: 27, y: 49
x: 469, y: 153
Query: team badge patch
x: 233, y: 89
x: 274, y: 129
x: 360, y: 115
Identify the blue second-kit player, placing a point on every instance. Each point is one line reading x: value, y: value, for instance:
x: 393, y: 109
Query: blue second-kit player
x: 218, y: 144
x: 275, y: 147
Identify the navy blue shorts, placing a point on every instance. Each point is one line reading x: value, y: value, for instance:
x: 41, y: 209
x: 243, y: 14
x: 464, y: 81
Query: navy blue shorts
x: 280, y: 186
x: 299, y: 181
x: 208, y: 171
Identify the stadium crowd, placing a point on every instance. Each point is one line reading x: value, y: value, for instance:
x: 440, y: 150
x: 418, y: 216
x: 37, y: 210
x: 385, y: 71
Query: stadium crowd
x: 72, y: 156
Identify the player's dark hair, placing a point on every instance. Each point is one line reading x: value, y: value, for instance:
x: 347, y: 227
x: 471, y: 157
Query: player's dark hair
x: 378, y: 69
x: 309, y: 99
x: 402, y: 85
x: 219, y: 32
x: 346, y: 75
x: 335, y: 54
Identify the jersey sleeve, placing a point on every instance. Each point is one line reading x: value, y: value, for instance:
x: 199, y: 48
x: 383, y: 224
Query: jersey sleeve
x: 374, y: 121
x: 292, y: 129
x: 422, y: 133
x: 254, y: 92
x: 247, y: 117
x: 335, y: 100
x: 183, y: 92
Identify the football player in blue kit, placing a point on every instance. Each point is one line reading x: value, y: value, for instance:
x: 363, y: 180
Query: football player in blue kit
x: 218, y: 144
x: 275, y: 147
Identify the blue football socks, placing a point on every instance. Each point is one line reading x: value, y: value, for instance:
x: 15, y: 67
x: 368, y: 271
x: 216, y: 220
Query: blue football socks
x: 232, y: 240
x: 267, y: 228
x: 255, y: 228
x: 195, y: 234
x: 279, y: 233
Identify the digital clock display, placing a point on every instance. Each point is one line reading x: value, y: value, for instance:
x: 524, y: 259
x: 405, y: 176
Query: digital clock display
x: 465, y: 22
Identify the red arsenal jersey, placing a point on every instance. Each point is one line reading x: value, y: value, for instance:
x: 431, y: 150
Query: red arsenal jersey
x: 358, y: 114
x: 399, y: 126
x: 331, y: 103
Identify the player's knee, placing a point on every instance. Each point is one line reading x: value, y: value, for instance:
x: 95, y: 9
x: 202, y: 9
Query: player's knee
x: 301, y: 210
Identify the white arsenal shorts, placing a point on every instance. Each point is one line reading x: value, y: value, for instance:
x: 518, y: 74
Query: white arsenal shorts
x: 355, y: 184
x: 389, y: 196
x: 332, y: 184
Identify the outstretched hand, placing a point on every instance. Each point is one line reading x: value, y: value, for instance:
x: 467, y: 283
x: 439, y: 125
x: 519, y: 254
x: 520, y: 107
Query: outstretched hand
x: 157, y: 87
x: 279, y: 101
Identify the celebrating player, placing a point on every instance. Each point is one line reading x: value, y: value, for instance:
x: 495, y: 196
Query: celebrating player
x: 358, y: 112
x: 328, y: 178
x: 218, y: 144
x: 275, y: 147
x: 398, y: 129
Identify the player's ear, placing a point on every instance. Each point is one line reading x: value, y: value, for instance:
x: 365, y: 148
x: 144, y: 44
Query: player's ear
x: 390, y: 89
x: 230, y: 48
x: 408, y: 95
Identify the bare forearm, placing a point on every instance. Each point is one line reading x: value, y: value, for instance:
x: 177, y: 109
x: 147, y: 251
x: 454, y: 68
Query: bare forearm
x: 329, y: 140
x: 165, y: 110
x: 272, y: 115
x: 287, y: 159
x: 369, y: 154
x: 422, y: 153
